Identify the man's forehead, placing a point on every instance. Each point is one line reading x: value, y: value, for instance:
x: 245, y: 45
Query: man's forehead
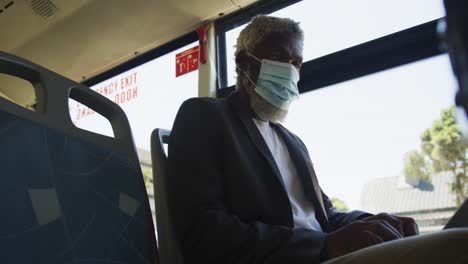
x: 280, y: 41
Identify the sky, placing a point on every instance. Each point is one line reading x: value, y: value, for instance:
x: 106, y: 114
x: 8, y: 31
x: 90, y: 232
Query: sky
x: 361, y: 129
x: 355, y: 131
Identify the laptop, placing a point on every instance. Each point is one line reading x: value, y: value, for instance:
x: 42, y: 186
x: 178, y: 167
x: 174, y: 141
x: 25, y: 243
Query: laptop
x: 460, y: 218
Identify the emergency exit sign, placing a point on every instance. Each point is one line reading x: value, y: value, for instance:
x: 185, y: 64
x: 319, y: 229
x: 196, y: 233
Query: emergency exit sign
x: 187, y: 61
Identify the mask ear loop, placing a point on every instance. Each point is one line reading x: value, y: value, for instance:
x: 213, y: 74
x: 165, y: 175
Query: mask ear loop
x: 251, y: 55
x: 256, y: 116
x: 246, y: 75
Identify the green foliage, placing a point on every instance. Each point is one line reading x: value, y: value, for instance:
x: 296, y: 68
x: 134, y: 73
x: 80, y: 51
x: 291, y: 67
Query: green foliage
x: 148, y: 177
x: 339, y: 204
x: 416, y: 166
x: 442, y: 150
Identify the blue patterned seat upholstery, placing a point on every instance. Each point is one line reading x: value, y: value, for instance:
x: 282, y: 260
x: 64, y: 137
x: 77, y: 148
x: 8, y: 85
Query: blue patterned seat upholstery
x: 66, y: 199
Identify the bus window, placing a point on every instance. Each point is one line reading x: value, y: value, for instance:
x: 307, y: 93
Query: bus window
x: 150, y: 95
x: 330, y: 26
x: 359, y: 133
x: 100, y: 124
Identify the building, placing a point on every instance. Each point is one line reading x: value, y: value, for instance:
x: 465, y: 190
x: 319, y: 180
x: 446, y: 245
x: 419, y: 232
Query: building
x: 430, y: 204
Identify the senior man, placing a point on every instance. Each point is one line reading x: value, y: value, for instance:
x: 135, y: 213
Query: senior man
x: 242, y: 188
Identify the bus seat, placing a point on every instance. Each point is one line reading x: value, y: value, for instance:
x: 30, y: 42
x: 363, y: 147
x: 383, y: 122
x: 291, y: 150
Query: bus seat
x: 68, y: 195
x: 169, y: 252
x: 6, y: 97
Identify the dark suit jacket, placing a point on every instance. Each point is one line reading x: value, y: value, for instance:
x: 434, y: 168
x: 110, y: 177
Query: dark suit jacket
x: 226, y: 196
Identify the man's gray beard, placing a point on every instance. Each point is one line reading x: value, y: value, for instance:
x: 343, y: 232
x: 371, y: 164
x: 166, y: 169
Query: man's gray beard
x: 263, y: 109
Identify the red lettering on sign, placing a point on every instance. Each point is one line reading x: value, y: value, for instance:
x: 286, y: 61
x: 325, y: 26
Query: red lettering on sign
x: 135, y: 92
x: 187, y: 61
x: 121, y: 91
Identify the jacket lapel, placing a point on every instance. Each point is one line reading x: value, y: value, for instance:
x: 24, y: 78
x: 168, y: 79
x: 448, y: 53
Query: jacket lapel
x: 255, y: 135
x: 306, y: 174
x: 304, y: 167
x: 261, y: 145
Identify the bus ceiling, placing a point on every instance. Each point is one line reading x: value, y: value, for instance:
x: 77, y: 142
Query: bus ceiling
x: 82, y: 38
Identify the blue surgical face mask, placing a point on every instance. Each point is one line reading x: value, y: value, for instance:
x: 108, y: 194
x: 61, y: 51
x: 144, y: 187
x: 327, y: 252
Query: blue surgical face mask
x: 277, y: 82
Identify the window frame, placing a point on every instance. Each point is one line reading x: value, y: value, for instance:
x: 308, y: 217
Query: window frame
x: 393, y: 50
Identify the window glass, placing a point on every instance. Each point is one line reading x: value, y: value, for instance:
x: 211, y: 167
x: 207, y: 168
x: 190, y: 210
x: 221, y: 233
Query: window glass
x: 150, y: 95
x: 334, y: 25
x: 359, y: 132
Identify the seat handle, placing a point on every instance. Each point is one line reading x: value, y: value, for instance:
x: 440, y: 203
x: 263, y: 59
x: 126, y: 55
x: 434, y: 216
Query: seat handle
x: 53, y: 92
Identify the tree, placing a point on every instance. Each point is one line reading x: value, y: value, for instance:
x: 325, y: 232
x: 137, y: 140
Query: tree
x: 442, y: 150
x: 339, y: 204
x: 416, y: 166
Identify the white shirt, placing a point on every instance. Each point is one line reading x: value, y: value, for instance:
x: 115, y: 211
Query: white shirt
x: 302, y: 209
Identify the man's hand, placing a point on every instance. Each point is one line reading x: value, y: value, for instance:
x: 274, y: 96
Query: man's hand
x: 358, y: 235
x: 404, y: 225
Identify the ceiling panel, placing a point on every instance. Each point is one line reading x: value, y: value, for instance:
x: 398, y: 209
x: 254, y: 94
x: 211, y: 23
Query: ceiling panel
x: 20, y: 23
x: 85, y: 38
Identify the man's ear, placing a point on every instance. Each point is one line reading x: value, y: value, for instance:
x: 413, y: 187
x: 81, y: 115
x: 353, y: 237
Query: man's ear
x: 242, y: 60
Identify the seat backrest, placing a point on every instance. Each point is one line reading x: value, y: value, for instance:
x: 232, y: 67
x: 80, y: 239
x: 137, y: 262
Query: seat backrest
x: 169, y: 252
x: 5, y: 96
x: 68, y: 195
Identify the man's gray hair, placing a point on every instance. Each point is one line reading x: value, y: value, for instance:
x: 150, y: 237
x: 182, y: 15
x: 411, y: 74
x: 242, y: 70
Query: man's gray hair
x: 261, y: 26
